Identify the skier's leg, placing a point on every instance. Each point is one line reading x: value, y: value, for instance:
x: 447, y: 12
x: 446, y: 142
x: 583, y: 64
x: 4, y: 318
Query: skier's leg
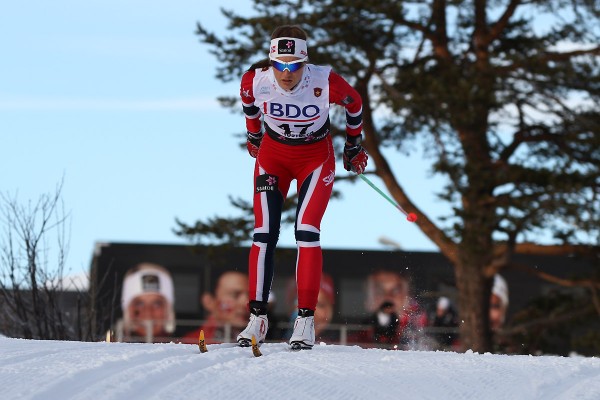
x: 268, y: 202
x: 313, y: 197
x: 270, y: 191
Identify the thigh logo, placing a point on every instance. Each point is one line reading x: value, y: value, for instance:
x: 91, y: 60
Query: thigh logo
x: 266, y: 183
x: 329, y: 178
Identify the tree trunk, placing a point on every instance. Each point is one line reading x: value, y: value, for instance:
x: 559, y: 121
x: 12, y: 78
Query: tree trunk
x: 474, y: 286
x: 473, y: 300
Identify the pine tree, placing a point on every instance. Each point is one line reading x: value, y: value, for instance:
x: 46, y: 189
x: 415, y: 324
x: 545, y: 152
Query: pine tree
x: 503, y: 96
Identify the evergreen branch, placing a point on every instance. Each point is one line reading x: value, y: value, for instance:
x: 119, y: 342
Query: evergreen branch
x: 585, y: 283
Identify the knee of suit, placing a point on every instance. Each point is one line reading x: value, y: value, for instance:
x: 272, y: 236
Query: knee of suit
x: 307, y: 236
x: 270, y: 237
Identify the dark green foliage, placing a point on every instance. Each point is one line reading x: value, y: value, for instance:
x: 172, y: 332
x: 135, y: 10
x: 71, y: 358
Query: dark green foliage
x: 232, y: 231
x: 488, y: 97
x: 503, y: 97
x: 559, y: 323
x: 221, y: 230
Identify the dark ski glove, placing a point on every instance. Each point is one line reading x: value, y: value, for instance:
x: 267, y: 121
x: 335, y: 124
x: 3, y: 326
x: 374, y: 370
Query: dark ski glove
x: 355, y: 158
x: 253, y: 143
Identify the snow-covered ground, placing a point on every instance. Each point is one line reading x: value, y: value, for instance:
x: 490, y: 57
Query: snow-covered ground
x: 32, y: 369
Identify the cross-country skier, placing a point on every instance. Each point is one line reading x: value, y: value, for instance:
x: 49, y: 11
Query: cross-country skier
x: 286, y: 103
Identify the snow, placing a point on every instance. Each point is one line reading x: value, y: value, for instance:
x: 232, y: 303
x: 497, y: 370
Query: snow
x: 32, y: 369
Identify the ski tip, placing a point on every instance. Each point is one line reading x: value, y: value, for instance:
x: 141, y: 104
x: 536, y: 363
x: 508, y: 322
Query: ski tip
x: 255, y: 349
x: 201, y: 342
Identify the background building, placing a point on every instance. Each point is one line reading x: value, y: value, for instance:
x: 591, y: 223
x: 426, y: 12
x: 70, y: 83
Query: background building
x: 194, y: 270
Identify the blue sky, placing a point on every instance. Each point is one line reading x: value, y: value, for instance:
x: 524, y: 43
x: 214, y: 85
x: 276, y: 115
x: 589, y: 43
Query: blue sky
x: 118, y: 97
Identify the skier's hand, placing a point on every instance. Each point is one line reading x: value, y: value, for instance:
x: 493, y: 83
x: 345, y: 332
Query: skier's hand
x: 253, y: 143
x: 355, y: 158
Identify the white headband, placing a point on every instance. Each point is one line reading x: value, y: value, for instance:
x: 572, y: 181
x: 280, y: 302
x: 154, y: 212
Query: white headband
x: 288, y: 46
x: 148, y: 279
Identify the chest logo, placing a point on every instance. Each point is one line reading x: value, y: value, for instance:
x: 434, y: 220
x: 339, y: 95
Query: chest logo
x: 291, y: 110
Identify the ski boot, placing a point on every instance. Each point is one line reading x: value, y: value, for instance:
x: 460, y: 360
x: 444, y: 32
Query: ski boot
x: 303, y: 337
x: 257, y: 326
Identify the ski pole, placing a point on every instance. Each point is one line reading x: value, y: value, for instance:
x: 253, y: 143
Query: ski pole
x: 411, y: 217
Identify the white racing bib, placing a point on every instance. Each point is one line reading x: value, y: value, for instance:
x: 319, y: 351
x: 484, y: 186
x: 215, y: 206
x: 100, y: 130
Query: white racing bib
x: 298, y: 116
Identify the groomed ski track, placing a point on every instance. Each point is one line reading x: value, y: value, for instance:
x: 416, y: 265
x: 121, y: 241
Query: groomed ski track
x: 73, y: 370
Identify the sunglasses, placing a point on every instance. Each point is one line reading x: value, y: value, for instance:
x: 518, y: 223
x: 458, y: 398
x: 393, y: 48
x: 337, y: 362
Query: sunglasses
x: 291, y: 66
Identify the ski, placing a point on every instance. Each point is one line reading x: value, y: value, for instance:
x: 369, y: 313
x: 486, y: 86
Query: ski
x: 204, y: 348
x: 253, y: 344
x: 201, y: 342
x: 255, y: 350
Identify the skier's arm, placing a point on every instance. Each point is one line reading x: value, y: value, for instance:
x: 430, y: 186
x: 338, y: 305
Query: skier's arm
x: 340, y: 92
x: 252, y: 114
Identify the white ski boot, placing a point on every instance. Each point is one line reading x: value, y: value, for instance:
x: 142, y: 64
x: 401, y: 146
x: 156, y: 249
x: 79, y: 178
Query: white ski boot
x: 257, y: 327
x: 303, y: 337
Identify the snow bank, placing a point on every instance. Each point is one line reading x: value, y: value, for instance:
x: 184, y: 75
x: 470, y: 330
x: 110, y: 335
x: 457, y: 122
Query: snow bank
x: 73, y: 370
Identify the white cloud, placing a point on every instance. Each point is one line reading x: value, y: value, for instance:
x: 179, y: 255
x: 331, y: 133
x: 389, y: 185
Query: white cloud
x: 91, y: 104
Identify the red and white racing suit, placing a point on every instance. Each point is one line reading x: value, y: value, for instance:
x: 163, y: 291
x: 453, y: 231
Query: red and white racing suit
x: 296, y: 145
